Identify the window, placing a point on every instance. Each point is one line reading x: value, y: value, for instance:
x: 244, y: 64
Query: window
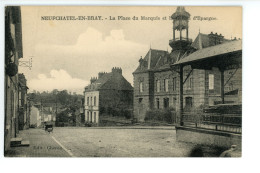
x: 211, y: 81
x: 166, y: 85
x: 174, y: 102
x: 158, y: 103
x: 88, y: 101
x: 88, y: 117
x: 174, y: 83
x: 141, y: 87
x: 158, y: 85
x: 140, y: 100
x: 190, y: 83
x: 94, y: 100
x: 94, y: 117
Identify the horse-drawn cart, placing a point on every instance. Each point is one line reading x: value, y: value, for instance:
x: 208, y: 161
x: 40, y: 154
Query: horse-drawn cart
x: 48, y: 127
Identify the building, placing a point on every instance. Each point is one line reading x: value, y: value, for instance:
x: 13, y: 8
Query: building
x: 23, y: 103
x: 13, y: 52
x: 157, y: 81
x: 48, y: 114
x: 106, y: 94
x: 35, y: 116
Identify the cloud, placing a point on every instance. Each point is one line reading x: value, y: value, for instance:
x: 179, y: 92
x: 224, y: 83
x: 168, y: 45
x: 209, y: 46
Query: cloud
x: 92, y: 53
x: 58, y: 79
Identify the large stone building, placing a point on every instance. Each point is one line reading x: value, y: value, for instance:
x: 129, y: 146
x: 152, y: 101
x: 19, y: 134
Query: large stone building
x: 156, y: 81
x: 110, y: 91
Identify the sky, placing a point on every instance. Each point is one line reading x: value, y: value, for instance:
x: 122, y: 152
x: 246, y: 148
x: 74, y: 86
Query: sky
x: 67, y: 53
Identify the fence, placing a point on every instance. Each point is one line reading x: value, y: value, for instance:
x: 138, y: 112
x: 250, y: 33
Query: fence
x: 219, y: 122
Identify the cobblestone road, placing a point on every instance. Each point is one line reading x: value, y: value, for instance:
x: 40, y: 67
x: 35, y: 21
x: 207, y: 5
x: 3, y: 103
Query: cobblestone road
x: 102, y: 142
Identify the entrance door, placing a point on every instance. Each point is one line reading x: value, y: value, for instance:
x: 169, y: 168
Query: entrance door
x: 141, y: 108
x: 166, y: 102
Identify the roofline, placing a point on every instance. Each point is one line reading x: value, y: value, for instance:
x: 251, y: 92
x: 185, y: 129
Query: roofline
x: 189, y: 61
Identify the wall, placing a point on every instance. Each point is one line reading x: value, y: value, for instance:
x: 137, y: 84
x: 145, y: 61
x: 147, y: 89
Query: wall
x: 35, y: 118
x: 208, y: 137
x: 141, y: 99
x: 13, y: 51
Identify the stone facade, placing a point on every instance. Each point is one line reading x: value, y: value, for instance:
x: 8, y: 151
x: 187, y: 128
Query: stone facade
x: 24, y: 104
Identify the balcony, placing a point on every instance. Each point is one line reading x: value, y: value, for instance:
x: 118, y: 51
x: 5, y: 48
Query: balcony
x: 180, y: 39
x: 180, y: 43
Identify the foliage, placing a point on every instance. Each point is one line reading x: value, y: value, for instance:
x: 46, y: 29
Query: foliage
x: 117, y: 112
x: 160, y: 115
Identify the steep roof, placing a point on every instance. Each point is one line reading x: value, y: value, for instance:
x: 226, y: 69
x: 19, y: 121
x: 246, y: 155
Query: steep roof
x: 112, y: 80
x: 103, y: 79
x: 203, y: 41
x: 117, y: 82
x: 150, y: 61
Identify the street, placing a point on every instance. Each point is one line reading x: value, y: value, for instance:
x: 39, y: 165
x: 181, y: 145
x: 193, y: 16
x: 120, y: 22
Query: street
x: 102, y: 142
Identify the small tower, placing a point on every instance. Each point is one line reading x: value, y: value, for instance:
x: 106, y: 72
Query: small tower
x: 180, y: 22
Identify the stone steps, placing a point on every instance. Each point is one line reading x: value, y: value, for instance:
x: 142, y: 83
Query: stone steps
x: 18, y: 142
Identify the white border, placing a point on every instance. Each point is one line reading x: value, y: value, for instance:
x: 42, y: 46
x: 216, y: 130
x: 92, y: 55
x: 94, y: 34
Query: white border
x: 250, y: 153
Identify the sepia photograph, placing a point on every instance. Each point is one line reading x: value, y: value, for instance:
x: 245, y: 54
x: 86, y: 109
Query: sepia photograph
x: 123, y: 81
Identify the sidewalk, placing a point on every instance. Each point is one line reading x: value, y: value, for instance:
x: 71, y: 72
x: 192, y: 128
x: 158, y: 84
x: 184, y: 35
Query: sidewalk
x: 41, y: 145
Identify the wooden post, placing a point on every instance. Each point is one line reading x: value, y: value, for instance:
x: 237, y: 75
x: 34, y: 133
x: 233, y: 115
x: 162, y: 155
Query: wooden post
x: 187, y: 33
x: 222, y: 85
x: 173, y: 31
x: 181, y: 96
x: 180, y: 34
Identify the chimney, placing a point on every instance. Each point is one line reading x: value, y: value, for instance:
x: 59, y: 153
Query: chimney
x: 117, y: 70
x: 93, y: 79
x: 100, y: 74
x: 215, y: 39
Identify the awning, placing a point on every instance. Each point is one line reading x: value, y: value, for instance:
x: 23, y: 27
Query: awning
x: 221, y: 55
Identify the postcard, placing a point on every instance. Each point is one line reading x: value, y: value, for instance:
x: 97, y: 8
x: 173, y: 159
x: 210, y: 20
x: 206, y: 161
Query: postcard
x: 123, y: 81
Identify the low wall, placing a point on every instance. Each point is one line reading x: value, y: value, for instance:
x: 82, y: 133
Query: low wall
x: 208, y: 137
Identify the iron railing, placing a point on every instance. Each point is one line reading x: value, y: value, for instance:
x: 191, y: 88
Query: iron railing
x: 220, y: 122
x: 180, y: 38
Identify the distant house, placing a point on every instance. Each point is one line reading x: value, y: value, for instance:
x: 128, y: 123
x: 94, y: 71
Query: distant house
x: 35, y: 117
x: 107, y: 94
x: 48, y: 115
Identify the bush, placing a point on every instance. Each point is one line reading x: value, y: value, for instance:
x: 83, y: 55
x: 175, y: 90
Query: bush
x: 117, y: 112
x: 160, y: 115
